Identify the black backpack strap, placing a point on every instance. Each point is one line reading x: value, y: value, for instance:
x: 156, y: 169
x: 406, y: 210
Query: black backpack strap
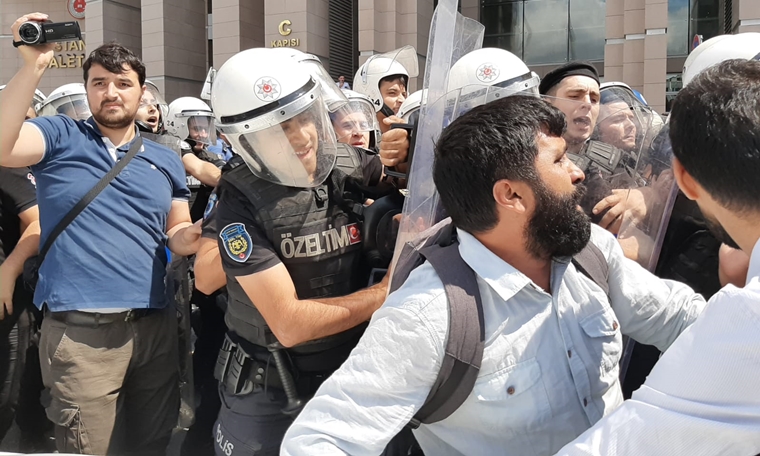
x: 592, y: 263
x: 465, y: 339
x: 87, y: 199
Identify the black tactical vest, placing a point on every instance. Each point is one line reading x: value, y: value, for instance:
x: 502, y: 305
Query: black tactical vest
x: 316, y: 233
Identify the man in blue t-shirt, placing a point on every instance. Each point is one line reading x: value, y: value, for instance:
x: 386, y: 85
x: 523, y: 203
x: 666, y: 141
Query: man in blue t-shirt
x: 108, y: 344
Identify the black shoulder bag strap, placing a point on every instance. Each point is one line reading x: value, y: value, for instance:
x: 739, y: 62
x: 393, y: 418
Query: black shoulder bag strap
x: 87, y: 199
x: 465, y: 340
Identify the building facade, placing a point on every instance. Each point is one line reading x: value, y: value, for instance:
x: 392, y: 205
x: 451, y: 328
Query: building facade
x: 641, y: 42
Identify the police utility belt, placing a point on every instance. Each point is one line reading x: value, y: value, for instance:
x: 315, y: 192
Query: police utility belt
x: 238, y: 372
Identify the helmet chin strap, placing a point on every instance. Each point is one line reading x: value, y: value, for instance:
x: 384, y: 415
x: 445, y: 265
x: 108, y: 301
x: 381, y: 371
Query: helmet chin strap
x: 387, y: 111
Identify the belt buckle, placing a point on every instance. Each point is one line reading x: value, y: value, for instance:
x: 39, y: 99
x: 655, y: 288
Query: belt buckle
x: 130, y: 315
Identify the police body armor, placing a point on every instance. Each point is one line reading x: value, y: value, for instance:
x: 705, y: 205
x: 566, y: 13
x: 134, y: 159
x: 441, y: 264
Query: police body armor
x: 599, y: 161
x: 317, y: 235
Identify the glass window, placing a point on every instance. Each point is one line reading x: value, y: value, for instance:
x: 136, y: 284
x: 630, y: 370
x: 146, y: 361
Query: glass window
x: 705, y: 19
x: 546, y: 26
x: 503, y: 18
x: 587, y: 29
x: 679, y: 40
x: 504, y: 26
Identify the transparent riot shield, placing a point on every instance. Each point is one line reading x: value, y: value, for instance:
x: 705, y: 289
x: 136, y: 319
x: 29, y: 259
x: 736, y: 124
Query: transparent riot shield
x: 621, y: 146
x: 451, y: 36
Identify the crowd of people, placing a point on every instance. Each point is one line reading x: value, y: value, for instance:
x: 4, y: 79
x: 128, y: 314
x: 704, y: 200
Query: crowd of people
x: 562, y: 297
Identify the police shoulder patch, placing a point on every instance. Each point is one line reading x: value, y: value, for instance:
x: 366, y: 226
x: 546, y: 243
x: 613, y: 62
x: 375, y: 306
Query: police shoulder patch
x: 237, y: 242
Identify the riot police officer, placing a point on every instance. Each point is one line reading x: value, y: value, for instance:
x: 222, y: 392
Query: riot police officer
x: 191, y: 120
x: 290, y: 240
x: 384, y: 78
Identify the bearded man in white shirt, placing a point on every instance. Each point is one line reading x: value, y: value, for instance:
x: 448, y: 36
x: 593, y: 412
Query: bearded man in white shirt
x: 553, y: 338
x: 702, y: 396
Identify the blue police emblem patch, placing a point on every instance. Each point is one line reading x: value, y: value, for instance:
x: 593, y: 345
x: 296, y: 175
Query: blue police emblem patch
x: 210, y: 206
x: 237, y: 242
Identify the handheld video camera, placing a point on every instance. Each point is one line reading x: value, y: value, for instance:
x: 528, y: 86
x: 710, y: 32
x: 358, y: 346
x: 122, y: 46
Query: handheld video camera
x: 33, y: 33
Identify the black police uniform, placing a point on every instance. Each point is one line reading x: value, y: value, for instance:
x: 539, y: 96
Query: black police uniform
x: 209, y: 329
x: 606, y: 168
x: 20, y: 377
x: 316, y: 234
x: 200, y: 192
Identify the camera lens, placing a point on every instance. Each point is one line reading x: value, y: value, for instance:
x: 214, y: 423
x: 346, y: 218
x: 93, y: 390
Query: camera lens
x: 30, y: 32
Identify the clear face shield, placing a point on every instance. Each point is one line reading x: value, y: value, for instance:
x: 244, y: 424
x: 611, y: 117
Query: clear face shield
x: 460, y: 101
x: 383, y: 64
x: 160, y: 102
x: 629, y: 182
x: 356, y: 124
x: 294, y: 145
x: 331, y: 93
x: 149, y: 112
x: 200, y: 127
x: 74, y: 106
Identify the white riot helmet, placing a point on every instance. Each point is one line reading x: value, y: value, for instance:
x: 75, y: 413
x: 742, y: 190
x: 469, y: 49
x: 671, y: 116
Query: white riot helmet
x: 410, y: 108
x: 401, y: 62
x: 273, y: 114
x: 717, y: 49
x: 68, y: 99
x: 355, y: 122
x: 163, y: 106
x: 493, y: 67
x: 190, y: 119
x: 331, y: 94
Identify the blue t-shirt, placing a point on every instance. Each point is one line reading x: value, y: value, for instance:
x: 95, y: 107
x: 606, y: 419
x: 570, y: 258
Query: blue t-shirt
x: 113, y: 254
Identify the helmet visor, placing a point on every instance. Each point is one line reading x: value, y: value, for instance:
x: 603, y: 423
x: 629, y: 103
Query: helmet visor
x: 331, y: 93
x: 389, y: 63
x: 298, y: 151
x: 460, y: 101
x: 74, y: 106
x: 149, y: 111
x: 152, y: 92
x: 200, y: 127
x: 356, y: 124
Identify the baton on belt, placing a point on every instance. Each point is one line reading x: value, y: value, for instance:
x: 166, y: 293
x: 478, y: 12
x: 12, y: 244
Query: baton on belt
x: 295, y: 403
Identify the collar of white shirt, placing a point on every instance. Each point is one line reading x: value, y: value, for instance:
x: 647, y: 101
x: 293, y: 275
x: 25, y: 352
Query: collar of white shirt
x: 505, y: 280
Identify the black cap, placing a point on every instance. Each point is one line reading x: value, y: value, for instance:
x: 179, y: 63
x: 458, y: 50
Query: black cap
x: 556, y: 75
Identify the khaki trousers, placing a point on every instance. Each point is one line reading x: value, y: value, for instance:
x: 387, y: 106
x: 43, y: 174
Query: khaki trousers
x: 113, y: 387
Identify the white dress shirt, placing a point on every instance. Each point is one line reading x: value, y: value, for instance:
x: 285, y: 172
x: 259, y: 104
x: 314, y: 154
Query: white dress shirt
x: 549, y: 370
x: 703, y: 395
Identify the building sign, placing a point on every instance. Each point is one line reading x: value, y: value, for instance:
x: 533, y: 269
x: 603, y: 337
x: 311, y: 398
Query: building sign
x: 285, y: 30
x: 293, y: 42
x: 69, y: 54
x: 76, y: 8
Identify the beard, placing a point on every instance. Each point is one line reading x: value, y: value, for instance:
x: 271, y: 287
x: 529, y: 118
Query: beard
x: 557, y: 227
x: 719, y: 232
x: 116, y: 120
